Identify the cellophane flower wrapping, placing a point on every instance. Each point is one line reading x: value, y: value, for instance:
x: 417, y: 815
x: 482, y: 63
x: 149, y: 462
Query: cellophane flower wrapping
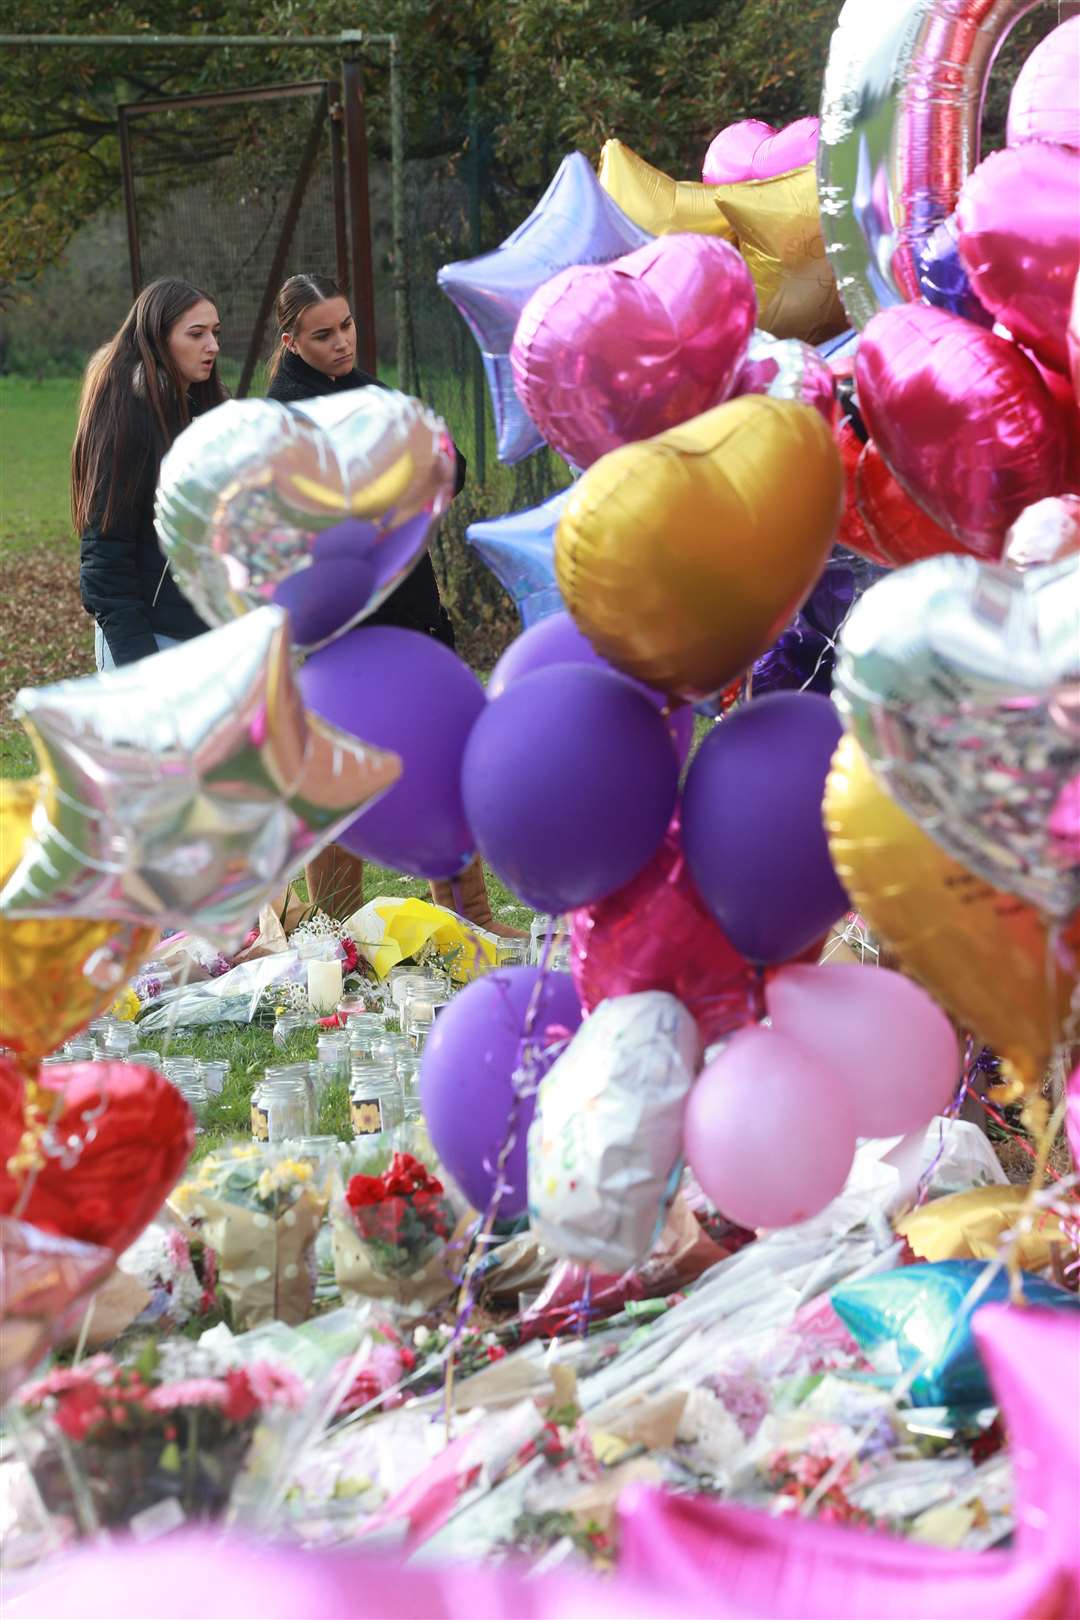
x: 148, y: 1444
x: 259, y: 1208
x: 394, y: 1228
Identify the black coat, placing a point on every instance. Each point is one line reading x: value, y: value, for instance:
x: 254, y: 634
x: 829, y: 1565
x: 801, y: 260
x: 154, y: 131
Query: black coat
x: 124, y: 580
x: 415, y: 605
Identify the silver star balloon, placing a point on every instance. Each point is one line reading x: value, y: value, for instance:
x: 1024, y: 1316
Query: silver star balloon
x: 187, y: 788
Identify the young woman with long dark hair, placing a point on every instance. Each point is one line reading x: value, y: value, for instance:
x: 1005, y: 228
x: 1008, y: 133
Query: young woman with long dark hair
x: 139, y: 392
x: 316, y: 354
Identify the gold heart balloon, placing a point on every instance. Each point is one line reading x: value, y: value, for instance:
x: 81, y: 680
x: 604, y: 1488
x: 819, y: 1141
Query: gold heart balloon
x: 656, y: 202
x: 682, y: 557
x: 777, y: 226
x: 56, y: 973
x: 988, y: 957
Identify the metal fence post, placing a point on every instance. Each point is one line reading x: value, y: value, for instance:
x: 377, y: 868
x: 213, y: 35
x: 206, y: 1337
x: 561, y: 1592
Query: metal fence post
x: 356, y: 165
x: 406, y: 352
x: 479, y: 386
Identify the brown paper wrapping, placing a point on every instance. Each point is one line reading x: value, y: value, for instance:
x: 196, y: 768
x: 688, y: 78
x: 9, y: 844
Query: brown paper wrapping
x: 265, y: 1266
x: 358, y: 1279
x: 113, y: 1308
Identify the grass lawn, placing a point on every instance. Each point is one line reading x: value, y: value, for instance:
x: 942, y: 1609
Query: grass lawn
x: 47, y: 636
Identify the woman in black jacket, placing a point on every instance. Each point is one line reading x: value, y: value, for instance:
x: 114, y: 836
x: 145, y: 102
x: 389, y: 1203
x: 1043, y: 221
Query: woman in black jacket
x: 139, y: 392
x: 316, y: 354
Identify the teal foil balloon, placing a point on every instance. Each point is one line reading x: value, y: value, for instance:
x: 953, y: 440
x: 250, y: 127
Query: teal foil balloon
x: 922, y: 1310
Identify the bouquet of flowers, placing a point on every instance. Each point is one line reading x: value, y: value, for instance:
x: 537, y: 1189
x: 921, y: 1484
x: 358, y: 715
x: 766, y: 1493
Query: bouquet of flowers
x: 124, y: 1445
x: 260, y: 1211
x: 391, y: 1235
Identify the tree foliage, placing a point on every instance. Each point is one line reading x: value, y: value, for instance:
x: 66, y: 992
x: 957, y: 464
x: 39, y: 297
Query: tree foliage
x: 549, y: 75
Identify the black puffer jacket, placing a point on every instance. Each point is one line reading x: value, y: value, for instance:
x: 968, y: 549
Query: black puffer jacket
x: 415, y: 605
x: 124, y: 580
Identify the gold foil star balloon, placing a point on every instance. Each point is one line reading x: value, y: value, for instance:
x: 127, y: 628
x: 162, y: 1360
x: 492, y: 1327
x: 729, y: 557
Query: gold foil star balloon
x: 988, y: 957
x: 56, y: 973
x: 184, y: 790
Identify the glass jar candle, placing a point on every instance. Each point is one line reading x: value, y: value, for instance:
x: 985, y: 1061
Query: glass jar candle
x: 280, y: 1109
x: 213, y: 1072
x: 333, y: 1057
x: 374, y: 1099
x: 364, y: 1031
x: 289, y: 1024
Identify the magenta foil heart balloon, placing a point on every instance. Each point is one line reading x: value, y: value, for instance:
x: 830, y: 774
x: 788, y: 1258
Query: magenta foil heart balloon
x: 1019, y: 229
x: 606, y: 354
x: 962, y: 418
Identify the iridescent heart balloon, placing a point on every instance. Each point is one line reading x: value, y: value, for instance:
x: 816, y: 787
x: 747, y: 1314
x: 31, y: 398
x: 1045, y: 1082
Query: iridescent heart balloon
x: 322, y: 508
x: 961, y: 682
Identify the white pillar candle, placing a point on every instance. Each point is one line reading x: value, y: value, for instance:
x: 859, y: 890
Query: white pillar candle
x: 323, y: 985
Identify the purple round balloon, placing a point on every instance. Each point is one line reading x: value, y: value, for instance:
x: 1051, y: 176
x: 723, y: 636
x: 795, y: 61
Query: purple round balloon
x: 569, y: 783
x: 557, y: 640
x: 466, y: 1077
x: 752, y: 828
x: 402, y: 690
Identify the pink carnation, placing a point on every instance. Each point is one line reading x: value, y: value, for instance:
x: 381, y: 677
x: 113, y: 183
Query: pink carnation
x: 187, y: 1392
x: 275, y: 1385
x: 63, y: 1379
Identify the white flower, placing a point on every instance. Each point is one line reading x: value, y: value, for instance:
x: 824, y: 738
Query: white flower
x: 421, y: 1336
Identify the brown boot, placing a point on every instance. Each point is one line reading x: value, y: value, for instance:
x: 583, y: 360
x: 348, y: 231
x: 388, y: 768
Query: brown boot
x: 468, y: 896
x: 335, y: 881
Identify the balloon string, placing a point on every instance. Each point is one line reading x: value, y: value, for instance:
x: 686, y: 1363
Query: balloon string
x: 972, y: 1056
x: 524, y: 1083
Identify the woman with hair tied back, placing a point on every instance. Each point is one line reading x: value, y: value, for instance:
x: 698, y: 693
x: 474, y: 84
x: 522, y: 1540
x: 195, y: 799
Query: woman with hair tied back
x: 139, y: 392
x: 316, y: 354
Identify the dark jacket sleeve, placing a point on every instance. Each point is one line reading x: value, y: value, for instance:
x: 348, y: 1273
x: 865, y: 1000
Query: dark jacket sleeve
x: 459, y: 471
x: 109, y: 573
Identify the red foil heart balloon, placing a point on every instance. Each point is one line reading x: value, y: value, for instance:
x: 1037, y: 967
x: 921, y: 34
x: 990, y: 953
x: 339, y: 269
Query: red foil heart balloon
x: 962, y: 419
x: 109, y: 1149
x: 899, y: 528
x: 656, y: 934
x: 853, y: 532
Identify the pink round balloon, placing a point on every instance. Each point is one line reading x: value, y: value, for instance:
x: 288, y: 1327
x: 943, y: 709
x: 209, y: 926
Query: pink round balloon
x: 769, y: 1130
x: 753, y: 150
x: 883, y: 1038
x: 962, y: 419
x: 1018, y: 223
x: 787, y: 368
x: 606, y: 354
x: 1045, y: 100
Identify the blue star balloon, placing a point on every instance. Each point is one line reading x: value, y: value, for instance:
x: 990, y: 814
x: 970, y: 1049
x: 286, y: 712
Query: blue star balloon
x: 520, y: 551
x: 920, y: 1309
x: 575, y: 222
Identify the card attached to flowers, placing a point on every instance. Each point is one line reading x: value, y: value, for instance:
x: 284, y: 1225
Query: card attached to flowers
x: 259, y: 1209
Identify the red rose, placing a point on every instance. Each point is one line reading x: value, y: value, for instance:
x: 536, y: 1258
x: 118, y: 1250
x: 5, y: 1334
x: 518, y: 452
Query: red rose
x: 240, y: 1402
x: 364, y: 1190
x: 80, y: 1410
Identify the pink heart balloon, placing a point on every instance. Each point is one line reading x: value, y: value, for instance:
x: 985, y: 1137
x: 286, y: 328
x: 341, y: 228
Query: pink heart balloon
x: 606, y: 354
x: 752, y: 150
x: 730, y: 157
x: 1045, y: 100
x: 1018, y: 221
x: 962, y: 419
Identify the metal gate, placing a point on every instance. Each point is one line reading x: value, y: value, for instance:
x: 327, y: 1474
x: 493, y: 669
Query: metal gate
x: 333, y: 150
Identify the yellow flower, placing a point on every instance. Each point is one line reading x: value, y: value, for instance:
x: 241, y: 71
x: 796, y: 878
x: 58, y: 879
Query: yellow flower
x: 126, y: 1006
x: 266, y: 1186
x: 293, y: 1170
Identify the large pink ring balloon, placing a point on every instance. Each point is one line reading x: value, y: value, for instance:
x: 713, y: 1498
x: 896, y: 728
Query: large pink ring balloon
x: 900, y: 115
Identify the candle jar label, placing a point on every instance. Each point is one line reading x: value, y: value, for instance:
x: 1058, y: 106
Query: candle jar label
x: 367, y: 1118
x: 260, y: 1123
